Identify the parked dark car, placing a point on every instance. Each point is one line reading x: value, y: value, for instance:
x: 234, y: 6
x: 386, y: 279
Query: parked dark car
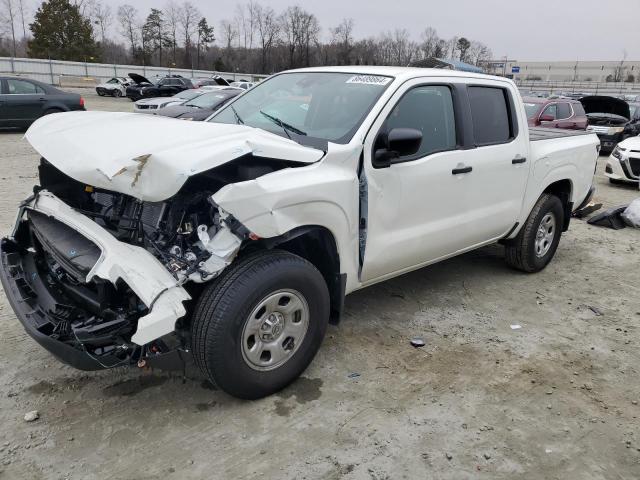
x: 22, y: 101
x: 200, y: 107
x: 166, y: 87
x: 611, y: 119
x: 555, y: 113
x: 209, y: 81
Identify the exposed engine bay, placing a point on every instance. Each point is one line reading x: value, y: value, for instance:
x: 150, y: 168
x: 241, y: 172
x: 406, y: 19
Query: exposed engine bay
x: 91, y: 323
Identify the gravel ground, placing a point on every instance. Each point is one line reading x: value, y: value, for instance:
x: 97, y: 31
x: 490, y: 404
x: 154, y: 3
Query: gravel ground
x: 555, y: 399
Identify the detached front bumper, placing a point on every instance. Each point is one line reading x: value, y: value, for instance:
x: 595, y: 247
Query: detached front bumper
x: 118, y: 262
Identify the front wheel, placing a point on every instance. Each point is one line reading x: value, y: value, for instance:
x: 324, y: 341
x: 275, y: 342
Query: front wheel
x: 117, y: 93
x: 257, y: 328
x: 537, y: 241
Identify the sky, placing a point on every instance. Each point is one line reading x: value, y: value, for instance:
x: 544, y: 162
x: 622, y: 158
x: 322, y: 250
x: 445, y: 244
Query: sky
x: 523, y: 30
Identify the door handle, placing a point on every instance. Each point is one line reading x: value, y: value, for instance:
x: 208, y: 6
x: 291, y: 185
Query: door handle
x: 459, y: 170
x: 515, y: 161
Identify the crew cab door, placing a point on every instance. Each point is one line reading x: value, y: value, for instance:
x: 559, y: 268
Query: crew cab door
x: 463, y: 188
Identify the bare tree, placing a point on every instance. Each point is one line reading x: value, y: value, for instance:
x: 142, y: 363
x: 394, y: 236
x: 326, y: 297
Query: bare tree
x: 85, y: 7
x: 188, y: 21
x: 103, y: 17
x: 342, y: 39
x: 172, y: 16
x: 8, y: 14
x: 478, y: 53
x: 229, y: 33
x: 619, y: 71
x: 429, y: 43
x: 23, y: 13
x: 268, y: 32
x: 128, y: 20
x: 300, y: 30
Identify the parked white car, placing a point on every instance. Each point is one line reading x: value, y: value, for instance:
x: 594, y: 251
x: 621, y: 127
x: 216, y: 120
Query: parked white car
x: 152, y: 105
x: 623, y: 166
x: 115, y: 86
x: 243, y: 85
x: 235, y: 240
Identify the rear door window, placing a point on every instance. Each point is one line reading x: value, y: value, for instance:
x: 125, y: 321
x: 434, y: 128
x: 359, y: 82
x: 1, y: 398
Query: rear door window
x: 564, y: 111
x: 491, y: 115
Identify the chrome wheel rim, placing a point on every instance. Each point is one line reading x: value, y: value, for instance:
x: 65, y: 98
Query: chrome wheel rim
x: 275, y: 329
x: 545, y: 234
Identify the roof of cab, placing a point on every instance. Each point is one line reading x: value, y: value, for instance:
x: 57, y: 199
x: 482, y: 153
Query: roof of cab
x: 399, y: 72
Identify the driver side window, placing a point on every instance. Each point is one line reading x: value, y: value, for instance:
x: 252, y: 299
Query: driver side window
x: 428, y: 109
x: 551, y: 110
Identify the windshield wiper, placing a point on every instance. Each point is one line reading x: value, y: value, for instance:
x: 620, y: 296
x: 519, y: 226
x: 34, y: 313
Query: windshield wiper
x: 239, y: 121
x: 284, y: 126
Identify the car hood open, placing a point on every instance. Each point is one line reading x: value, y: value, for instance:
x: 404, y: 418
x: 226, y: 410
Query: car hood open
x: 603, y: 104
x: 150, y: 157
x: 137, y: 78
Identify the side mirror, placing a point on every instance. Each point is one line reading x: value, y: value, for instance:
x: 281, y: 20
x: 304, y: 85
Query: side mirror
x: 398, y: 142
x: 546, y: 118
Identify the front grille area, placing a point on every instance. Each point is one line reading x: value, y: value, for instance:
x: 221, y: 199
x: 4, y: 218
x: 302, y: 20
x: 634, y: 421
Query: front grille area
x: 634, y: 163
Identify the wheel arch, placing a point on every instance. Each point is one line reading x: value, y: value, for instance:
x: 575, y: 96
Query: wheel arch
x: 316, y: 244
x: 563, y: 189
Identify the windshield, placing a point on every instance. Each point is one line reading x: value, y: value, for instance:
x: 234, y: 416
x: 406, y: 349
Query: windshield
x: 207, y: 101
x: 306, y: 106
x: 113, y: 80
x: 532, y: 109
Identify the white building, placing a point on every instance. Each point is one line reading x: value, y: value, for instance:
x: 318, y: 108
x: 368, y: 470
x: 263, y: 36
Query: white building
x: 577, y: 71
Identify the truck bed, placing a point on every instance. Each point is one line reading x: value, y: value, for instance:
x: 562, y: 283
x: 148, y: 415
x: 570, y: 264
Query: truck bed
x: 540, y: 133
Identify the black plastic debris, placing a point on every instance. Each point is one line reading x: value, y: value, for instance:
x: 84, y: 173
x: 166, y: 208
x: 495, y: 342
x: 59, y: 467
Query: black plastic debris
x: 609, y: 218
x: 417, y: 342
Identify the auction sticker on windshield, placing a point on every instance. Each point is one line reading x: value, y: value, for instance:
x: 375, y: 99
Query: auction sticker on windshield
x: 369, y: 79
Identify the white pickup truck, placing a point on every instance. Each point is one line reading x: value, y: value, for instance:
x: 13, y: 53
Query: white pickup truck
x: 235, y: 240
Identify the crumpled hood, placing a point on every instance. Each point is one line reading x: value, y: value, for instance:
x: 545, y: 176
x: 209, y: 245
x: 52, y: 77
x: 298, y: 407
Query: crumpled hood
x: 149, y: 157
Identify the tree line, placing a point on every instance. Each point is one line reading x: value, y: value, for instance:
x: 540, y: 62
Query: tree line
x: 257, y: 39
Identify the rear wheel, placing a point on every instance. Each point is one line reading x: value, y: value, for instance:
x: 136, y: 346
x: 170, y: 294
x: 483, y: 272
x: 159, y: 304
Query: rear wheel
x: 257, y: 328
x: 537, y: 241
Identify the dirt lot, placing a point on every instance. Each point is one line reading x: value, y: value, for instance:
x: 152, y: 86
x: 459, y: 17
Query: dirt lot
x: 556, y: 399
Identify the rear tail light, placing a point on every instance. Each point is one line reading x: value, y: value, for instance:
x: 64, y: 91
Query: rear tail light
x: 81, y: 102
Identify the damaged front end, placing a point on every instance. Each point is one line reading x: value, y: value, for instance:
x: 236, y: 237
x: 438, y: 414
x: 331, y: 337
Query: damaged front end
x: 97, y: 277
x: 116, y: 239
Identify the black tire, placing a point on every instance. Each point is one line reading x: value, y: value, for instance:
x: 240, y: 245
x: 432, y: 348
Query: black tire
x: 225, y: 306
x: 100, y: 93
x: 521, y: 252
x: 117, y: 93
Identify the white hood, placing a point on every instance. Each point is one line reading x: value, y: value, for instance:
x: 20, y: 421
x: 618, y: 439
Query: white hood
x: 150, y: 157
x: 631, y: 143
